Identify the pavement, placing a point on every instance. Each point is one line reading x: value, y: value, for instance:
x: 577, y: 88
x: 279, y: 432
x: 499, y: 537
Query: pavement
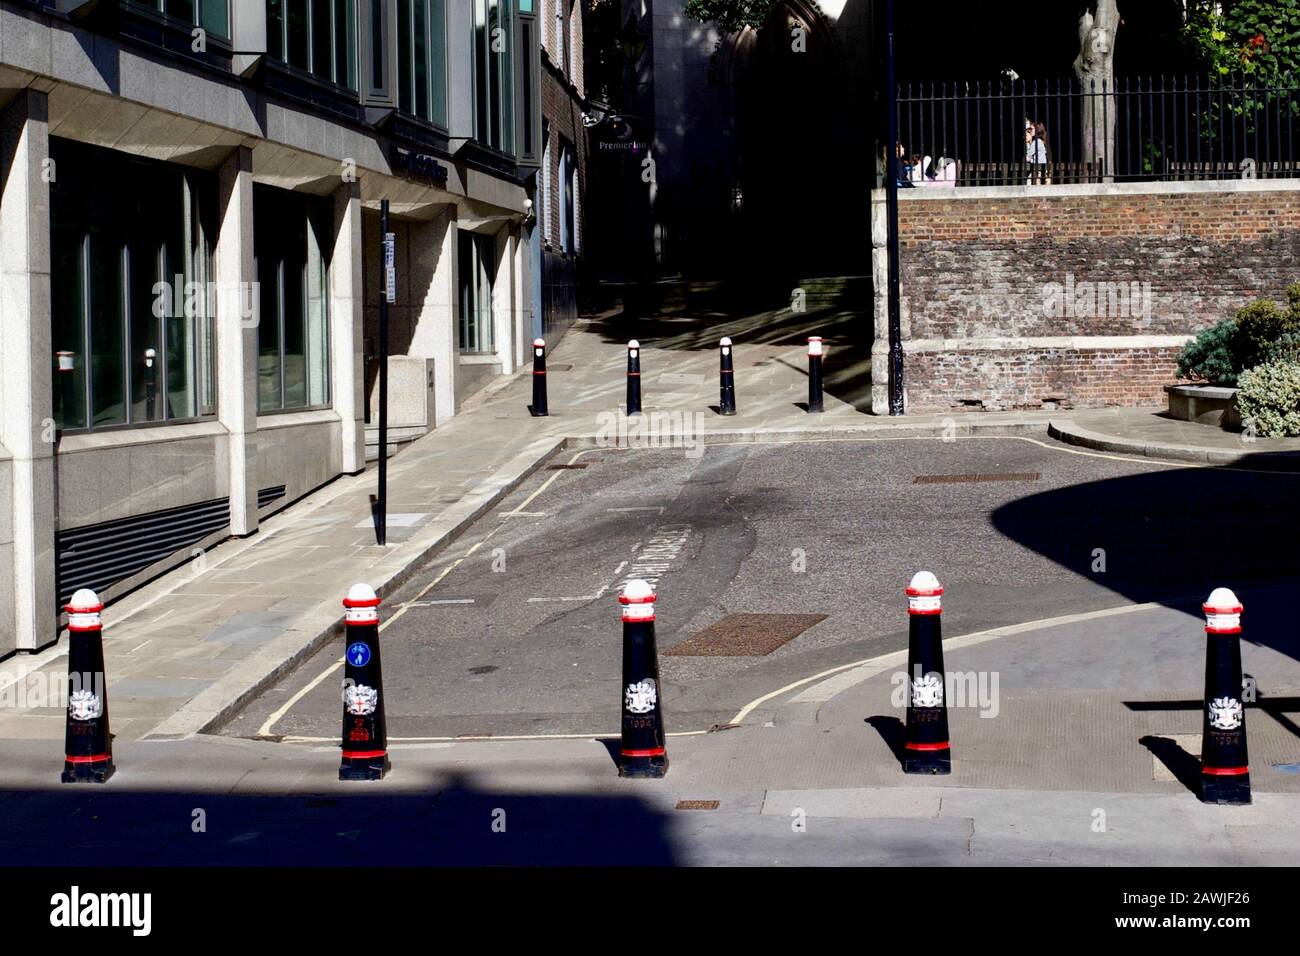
x: 1150, y: 433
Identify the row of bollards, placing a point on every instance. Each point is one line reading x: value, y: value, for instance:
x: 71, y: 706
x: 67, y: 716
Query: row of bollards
x: 727, y: 377
x: 1225, y: 766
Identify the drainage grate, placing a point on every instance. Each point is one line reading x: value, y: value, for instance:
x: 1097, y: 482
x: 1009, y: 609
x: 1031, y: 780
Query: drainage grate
x: 564, y: 467
x: 974, y: 479
x: 698, y: 804
x: 745, y: 635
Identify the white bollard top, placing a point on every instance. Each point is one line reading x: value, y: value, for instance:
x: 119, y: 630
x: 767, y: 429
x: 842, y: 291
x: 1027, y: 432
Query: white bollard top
x: 726, y: 342
x: 1222, y: 612
x: 539, y: 343
x: 814, y: 345
x: 362, y: 605
x: 83, y: 611
x: 634, y: 344
x: 638, y: 600
x: 924, y: 594
x: 85, y: 600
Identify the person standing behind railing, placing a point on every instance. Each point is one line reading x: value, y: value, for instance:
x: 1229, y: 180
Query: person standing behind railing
x: 1038, y: 155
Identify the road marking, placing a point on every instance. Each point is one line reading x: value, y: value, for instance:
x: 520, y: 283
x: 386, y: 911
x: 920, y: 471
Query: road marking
x: 658, y: 510
x: 521, y: 514
x: 443, y: 601
x: 547, y: 483
x: 474, y: 738
x: 875, y: 665
x: 546, y: 600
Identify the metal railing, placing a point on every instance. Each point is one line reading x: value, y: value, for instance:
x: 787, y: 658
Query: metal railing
x: 1139, y: 129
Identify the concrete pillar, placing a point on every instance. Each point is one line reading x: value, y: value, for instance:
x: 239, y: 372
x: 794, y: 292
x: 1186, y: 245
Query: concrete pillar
x: 504, y: 299
x: 433, y: 304
x: 237, y: 297
x: 347, y: 319
x: 26, y: 391
x: 880, y: 289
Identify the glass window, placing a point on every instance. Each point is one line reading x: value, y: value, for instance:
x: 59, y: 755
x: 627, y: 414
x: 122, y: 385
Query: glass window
x: 130, y: 293
x: 476, y: 268
x: 494, y: 72
x: 212, y: 15
x: 315, y: 36
x: 421, y: 60
x: 291, y: 234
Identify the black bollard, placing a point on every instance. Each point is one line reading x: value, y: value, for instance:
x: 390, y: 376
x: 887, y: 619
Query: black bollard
x: 88, y: 745
x: 539, y: 378
x: 815, y: 373
x: 67, y: 387
x: 927, y: 749
x: 634, y: 377
x: 727, y: 401
x: 365, y: 737
x: 642, y: 752
x: 150, y: 384
x: 1225, y: 765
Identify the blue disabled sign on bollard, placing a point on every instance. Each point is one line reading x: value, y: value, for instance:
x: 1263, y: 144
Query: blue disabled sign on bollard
x: 358, y: 654
x: 390, y: 267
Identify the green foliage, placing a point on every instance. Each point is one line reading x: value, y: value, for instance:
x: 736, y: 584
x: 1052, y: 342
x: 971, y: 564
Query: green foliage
x: 1260, y: 332
x: 1260, y: 38
x: 730, y: 16
x: 1268, y: 397
x: 1209, y: 357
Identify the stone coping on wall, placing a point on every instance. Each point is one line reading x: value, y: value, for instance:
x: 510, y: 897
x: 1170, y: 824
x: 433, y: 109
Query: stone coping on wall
x: 1011, y: 343
x: 1069, y: 190
x: 142, y: 435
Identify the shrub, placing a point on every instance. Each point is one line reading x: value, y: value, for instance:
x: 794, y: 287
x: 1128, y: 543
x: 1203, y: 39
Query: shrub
x: 1261, y: 326
x: 1209, y: 357
x: 1269, y: 399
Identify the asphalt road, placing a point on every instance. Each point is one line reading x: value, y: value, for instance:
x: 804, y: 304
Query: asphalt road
x: 514, y: 629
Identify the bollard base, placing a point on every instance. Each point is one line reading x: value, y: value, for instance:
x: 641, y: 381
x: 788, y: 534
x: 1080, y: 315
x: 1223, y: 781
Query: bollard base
x: 98, y: 772
x: 537, y: 412
x: 1226, y: 790
x: 814, y: 409
x: 726, y: 411
x: 930, y: 762
x: 643, y: 767
x: 365, y: 768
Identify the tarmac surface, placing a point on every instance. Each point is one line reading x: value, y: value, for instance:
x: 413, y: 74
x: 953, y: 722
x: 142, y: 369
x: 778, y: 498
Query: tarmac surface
x: 515, y: 630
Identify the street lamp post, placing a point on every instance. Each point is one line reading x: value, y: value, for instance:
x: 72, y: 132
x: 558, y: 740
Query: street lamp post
x: 891, y: 207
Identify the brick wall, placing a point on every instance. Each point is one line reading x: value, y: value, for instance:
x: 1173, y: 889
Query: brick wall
x: 1100, y: 285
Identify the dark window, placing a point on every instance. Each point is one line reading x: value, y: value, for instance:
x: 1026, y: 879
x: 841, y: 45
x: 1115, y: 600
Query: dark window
x: 476, y: 269
x: 290, y: 234
x: 494, y: 74
x: 131, y: 291
x: 315, y: 36
x: 421, y: 60
x: 212, y: 15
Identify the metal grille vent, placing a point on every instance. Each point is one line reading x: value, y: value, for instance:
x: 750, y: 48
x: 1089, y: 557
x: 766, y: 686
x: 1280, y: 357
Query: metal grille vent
x: 266, y: 495
x: 98, y: 555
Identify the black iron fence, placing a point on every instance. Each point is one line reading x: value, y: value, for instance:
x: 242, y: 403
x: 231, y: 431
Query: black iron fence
x: 1139, y: 128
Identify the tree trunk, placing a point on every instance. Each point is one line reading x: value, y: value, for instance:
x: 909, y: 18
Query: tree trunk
x: 1095, y: 69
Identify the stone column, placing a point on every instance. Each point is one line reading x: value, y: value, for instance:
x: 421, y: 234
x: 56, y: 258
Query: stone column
x: 880, y: 290
x: 346, y: 326
x: 504, y: 300
x: 238, y: 307
x: 26, y: 389
x: 433, y: 305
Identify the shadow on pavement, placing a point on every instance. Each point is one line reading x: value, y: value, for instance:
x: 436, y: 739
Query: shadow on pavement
x: 453, y: 823
x: 893, y: 732
x: 1185, y: 767
x: 1172, y: 536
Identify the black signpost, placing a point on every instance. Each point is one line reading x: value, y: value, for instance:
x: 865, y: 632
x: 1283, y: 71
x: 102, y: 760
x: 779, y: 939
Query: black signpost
x: 389, y: 294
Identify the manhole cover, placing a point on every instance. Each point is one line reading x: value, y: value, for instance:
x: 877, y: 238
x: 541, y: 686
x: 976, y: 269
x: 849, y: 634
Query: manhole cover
x: 974, y: 479
x: 698, y: 804
x: 745, y: 635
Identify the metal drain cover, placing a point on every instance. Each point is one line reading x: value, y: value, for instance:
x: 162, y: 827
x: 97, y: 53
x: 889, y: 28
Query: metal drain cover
x: 745, y: 635
x: 974, y: 479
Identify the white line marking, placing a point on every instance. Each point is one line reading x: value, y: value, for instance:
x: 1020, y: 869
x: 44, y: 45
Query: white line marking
x: 585, y: 597
x: 657, y: 509
x: 619, y: 570
x: 874, y: 665
x: 293, y: 739
x: 522, y: 514
x: 443, y: 601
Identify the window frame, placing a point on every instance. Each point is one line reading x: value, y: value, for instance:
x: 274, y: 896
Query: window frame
x: 200, y: 213
x: 156, y: 9
x: 436, y: 42
x: 308, y: 72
